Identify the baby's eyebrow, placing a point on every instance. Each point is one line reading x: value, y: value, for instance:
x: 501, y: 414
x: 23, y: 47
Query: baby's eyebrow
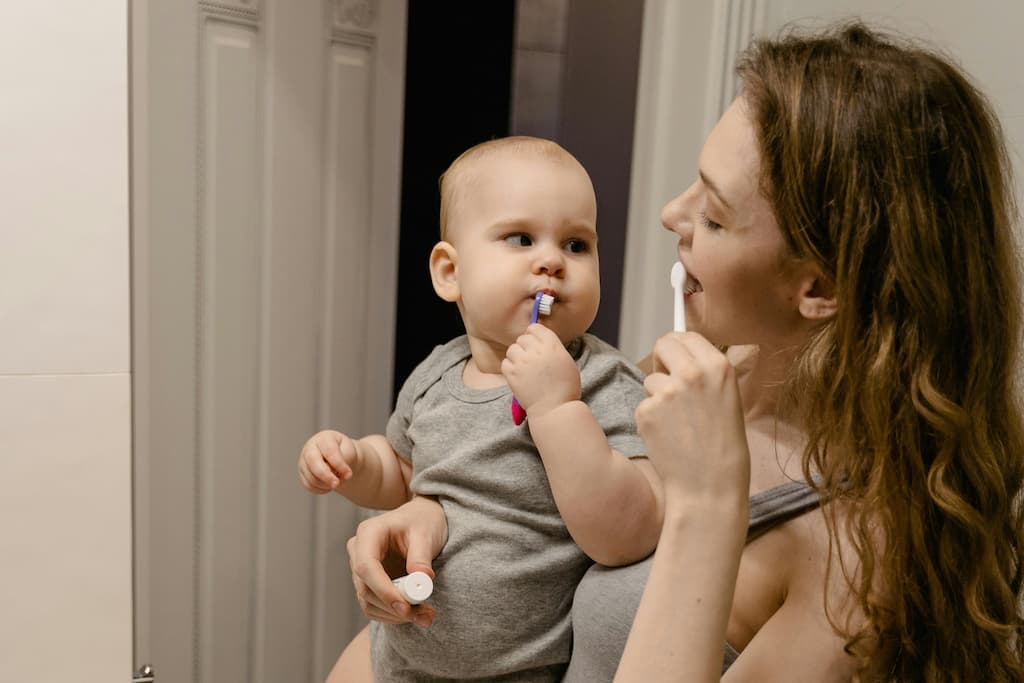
x: 509, y: 225
x: 513, y: 224
x: 587, y: 234
x: 581, y: 227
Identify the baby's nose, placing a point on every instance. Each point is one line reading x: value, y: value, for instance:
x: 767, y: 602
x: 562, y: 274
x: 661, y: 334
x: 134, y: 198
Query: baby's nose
x: 549, y: 261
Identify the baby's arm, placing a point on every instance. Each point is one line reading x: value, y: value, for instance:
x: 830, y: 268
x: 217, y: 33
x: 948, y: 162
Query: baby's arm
x: 611, y: 505
x: 367, y: 471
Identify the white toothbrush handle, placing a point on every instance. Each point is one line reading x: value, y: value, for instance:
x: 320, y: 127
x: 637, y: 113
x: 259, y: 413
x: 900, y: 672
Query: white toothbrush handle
x: 679, y: 324
x: 677, y: 278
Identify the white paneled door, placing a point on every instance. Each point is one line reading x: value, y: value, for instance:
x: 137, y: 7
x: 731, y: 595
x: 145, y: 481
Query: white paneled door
x: 266, y: 146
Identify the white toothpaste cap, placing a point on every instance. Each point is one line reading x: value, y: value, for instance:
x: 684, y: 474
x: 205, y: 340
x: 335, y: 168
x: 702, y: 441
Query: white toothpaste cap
x: 415, y: 587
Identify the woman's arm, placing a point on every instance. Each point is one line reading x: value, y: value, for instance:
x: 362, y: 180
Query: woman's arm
x: 679, y: 630
x: 693, y: 427
x: 692, y: 424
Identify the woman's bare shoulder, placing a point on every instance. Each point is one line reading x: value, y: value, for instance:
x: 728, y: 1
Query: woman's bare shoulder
x: 798, y: 641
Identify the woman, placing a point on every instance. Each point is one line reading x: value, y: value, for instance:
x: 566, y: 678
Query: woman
x: 850, y: 239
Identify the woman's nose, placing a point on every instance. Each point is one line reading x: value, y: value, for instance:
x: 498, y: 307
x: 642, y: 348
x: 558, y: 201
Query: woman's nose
x: 677, y: 215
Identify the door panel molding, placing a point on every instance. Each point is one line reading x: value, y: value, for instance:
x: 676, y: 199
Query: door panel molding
x: 230, y: 310
x: 266, y: 157
x: 243, y: 11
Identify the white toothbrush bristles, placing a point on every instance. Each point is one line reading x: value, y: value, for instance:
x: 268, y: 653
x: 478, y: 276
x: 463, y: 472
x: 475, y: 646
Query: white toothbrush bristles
x: 546, y: 301
x: 678, y: 277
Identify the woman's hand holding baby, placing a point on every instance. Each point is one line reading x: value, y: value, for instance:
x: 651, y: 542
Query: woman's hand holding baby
x: 387, y: 546
x: 540, y: 371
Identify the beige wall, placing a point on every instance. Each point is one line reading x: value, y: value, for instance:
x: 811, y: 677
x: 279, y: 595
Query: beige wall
x: 65, y: 411
x: 982, y: 36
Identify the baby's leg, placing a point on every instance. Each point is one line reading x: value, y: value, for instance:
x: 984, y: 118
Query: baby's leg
x: 353, y: 665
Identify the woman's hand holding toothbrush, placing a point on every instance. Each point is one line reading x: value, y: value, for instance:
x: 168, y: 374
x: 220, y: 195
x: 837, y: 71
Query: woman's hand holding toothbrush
x: 692, y: 422
x: 692, y: 419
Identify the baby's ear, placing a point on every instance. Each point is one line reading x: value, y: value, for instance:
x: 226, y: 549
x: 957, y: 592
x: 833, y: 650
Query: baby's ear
x: 444, y: 270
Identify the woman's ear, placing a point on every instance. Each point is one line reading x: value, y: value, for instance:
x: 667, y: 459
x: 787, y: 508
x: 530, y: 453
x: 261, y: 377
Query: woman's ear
x: 817, y: 298
x: 444, y: 271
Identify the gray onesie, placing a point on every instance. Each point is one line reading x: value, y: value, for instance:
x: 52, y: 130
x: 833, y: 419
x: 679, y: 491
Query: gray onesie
x: 505, y: 578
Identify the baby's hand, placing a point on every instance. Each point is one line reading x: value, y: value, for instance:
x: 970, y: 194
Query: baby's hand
x: 540, y: 371
x: 327, y: 459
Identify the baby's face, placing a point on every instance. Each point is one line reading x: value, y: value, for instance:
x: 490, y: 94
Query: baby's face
x: 525, y: 223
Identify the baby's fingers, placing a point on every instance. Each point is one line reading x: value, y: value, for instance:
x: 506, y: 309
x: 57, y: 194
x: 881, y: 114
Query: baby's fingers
x: 541, y: 333
x: 328, y: 446
x: 316, y: 475
x: 309, y: 482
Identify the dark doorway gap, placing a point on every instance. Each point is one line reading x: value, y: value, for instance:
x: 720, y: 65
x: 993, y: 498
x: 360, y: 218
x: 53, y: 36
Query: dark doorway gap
x: 459, y: 70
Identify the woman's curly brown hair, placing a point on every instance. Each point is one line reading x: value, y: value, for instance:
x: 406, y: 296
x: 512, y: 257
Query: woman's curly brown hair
x: 887, y: 168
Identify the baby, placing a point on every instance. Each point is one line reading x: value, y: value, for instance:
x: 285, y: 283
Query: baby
x: 529, y: 506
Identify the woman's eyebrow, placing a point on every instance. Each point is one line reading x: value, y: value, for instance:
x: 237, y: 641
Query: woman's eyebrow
x: 714, y: 189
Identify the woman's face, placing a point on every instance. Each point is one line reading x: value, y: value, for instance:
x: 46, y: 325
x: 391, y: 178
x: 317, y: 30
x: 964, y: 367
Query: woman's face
x: 739, y: 290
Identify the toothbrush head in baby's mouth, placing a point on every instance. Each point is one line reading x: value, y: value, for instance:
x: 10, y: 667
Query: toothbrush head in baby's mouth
x: 543, y: 300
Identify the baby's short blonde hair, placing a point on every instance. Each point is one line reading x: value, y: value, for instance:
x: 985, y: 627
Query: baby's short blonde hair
x: 458, y: 176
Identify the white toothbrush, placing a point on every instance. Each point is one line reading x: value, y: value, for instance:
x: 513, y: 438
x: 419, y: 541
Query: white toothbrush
x: 678, y: 278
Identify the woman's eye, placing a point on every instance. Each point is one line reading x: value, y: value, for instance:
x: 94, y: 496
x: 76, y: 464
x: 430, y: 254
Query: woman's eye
x: 708, y: 223
x: 518, y: 240
x: 576, y: 246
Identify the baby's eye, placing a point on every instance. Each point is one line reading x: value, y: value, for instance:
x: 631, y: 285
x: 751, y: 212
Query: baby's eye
x: 576, y: 246
x: 518, y: 239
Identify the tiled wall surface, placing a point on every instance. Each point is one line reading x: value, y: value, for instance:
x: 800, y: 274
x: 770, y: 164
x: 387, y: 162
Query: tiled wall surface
x: 65, y: 396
